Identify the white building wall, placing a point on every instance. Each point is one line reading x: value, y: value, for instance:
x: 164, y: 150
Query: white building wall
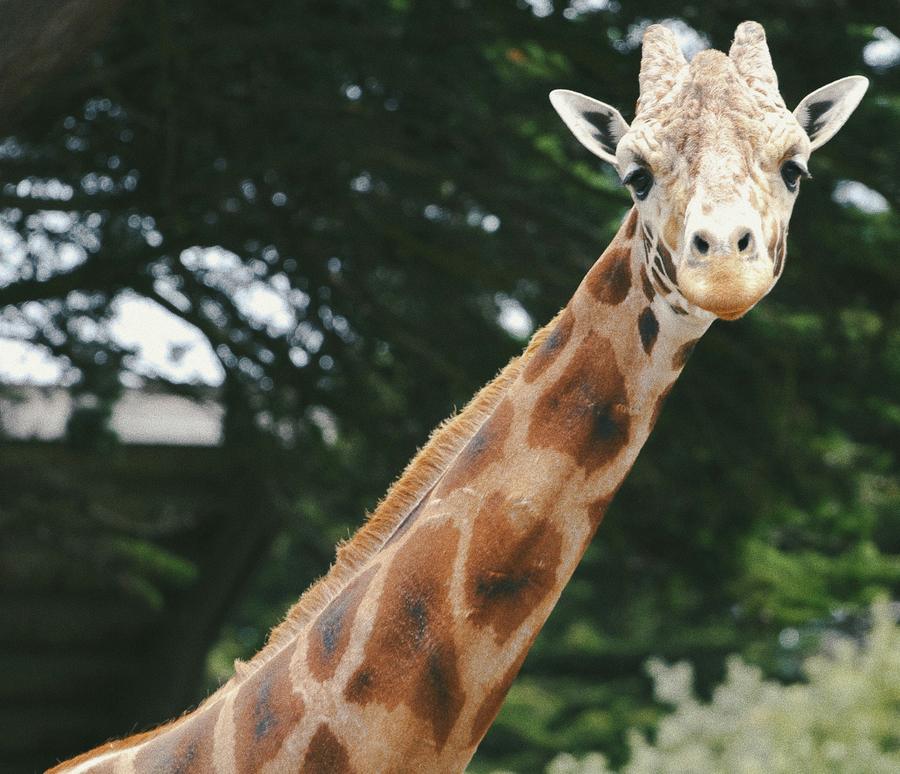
x: 138, y: 417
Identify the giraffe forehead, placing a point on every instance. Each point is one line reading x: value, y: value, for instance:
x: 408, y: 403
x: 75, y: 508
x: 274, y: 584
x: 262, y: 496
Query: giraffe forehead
x: 712, y: 120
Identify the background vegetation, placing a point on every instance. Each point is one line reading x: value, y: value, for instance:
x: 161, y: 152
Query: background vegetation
x: 843, y: 720
x: 392, y: 171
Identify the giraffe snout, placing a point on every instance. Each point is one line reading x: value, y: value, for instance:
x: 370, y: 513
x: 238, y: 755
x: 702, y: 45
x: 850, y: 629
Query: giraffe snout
x: 705, y: 244
x: 720, y: 270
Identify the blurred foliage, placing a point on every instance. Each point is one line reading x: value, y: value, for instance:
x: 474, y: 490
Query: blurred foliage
x: 116, y: 519
x: 842, y: 719
x: 394, y: 173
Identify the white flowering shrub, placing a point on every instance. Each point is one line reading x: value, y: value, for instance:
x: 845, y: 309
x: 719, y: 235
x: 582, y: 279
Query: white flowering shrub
x: 845, y: 719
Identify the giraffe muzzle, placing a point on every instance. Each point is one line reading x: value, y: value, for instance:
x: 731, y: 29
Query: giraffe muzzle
x: 724, y: 267
x: 727, y: 285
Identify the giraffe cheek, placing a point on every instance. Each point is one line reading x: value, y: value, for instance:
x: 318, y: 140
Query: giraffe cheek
x: 672, y: 232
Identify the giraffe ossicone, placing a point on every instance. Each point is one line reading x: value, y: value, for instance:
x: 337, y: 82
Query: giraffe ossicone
x: 400, y: 657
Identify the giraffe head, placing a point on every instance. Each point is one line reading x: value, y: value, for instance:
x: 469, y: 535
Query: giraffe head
x: 713, y: 159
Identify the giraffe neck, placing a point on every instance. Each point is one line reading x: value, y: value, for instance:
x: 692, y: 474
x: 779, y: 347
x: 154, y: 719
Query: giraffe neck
x: 407, y: 665
x: 463, y: 588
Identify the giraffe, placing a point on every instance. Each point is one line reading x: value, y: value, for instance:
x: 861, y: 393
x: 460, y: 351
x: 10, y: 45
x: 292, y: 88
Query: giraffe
x: 400, y: 657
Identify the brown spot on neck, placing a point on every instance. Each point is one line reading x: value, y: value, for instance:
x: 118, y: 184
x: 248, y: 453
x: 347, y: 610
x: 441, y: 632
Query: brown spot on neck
x: 683, y: 353
x: 485, y: 447
x: 549, y: 350
x: 584, y: 414
x: 266, y: 710
x: 610, y: 278
x: 326, y: 754
x: 411, y: 655
x: 330, y: 633
x: 631, y: 222
x: 509, y: 572
x: 648, y: 328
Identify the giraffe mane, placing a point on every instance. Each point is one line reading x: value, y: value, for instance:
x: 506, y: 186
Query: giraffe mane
x: 444, y: 444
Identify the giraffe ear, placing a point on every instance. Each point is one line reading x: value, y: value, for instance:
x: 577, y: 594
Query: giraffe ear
x: 824, y: 111
x: 597, y: 126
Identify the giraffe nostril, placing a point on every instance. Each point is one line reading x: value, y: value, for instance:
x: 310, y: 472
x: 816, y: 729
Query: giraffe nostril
x: 745, y: 241
x: 701, y: 244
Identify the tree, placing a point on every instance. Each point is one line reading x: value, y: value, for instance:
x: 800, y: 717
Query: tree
x: 843, y: 719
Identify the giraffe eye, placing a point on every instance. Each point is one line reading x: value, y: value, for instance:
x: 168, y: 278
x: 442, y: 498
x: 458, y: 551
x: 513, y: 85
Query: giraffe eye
x: 791, y: 172
x: 640, y: 180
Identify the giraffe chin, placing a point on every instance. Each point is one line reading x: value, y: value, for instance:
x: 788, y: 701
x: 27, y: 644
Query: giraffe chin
x: 727, y: 291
